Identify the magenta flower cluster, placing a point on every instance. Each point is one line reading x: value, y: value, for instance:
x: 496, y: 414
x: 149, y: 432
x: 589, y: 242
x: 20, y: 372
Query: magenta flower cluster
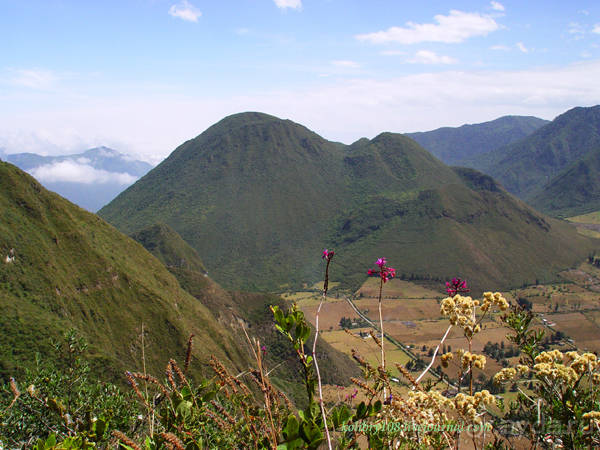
x: 386, y: 273
x: 457, y: 286
x: 327, y: 255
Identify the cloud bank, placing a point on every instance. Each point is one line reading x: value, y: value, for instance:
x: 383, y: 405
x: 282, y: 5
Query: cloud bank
x: 79, y: 171
x: 455, y: 28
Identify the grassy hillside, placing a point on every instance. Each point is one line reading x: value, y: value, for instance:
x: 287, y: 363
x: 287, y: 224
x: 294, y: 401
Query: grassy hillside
x: 259, y: 198
x: 525, y: 167
x: 573, y: 191
x: 235, y: 310
x: 454, y: 144
x: 163, y: 242
x: 62, y: 267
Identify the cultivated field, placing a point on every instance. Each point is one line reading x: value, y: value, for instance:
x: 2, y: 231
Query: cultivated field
x: 411, y: 315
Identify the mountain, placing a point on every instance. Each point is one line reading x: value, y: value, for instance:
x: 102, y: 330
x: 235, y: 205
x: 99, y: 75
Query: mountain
x: 452, y: 145
x: 90, y: 179
x: 260, y: 197
x: 573, y: 191
x: 525, y: 167
x: 62, y: 267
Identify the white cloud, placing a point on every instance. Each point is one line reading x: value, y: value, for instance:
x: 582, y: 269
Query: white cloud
x: 596, y: 28
x: 74, y: 172
x: 185, y: 11
x: 338, y: 109
x: 35, y: 78
x: 576, y: 28
x: 500, y: 47
x: 454, y: 28
x: 392, y: 53
x: 294, y: 4
x: 429, y: 57
x: 522, y: 47
x: 22, y: 141
x: 497, y: 6
x: 346, y: 63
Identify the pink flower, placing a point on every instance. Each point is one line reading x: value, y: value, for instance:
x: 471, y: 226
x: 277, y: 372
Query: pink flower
x: 386, y: 273
x: 457, y: 286
x: 327, y: 255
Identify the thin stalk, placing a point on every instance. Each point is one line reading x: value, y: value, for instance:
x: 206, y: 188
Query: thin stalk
x: 434, y: 355
x: 383, y: 363
x: 314, y: 354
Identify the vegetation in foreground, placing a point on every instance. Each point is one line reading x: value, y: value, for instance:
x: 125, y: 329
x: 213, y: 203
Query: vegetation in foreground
x: 225, y: 412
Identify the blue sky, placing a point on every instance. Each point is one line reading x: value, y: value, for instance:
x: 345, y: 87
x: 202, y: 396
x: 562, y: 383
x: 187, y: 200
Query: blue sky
x: 143, y: 76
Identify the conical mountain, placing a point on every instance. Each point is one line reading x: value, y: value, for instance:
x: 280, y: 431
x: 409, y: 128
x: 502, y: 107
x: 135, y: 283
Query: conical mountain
x: 62, y: 267
x: 259, y: 198
x: 526, y: 166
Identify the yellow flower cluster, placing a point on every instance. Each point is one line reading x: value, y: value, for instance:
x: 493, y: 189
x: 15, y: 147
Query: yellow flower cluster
x: 490, y: 299
x: 428, y: 400
x: 585, y: 363
x: 468, y: 405
x: 558, y: 373
x: 462, y: 310
x: 504, y: 375
x: 549, y: 357
x: 550, y: 365
x: 445, y: 358
x: 592, y: 415
x: 477, y: 360
x: 522, y: 369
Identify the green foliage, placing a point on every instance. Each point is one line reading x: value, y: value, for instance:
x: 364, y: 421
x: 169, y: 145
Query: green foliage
x: 565, y: 395
x: 63, y: 402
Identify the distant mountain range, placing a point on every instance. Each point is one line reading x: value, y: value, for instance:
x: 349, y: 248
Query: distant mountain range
x: 90, y: 179
x: 259, y: 198
x: 555, y: 168
x: 453, y: 145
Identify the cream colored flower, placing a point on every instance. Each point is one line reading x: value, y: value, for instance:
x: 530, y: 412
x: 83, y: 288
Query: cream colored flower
x: 504, y: 375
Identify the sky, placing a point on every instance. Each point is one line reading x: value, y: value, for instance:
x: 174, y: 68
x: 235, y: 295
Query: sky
x: 144, y: 76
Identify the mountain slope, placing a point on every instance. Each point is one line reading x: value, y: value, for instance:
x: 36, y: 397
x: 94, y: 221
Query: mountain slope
x: 163, y: 242
x: 232, y: 194
x: 252, y: 310
x: 90, y: 179
x: 62, y: 267
x: 573, y: 191
x: 451, y: 145
x: 259, y: 198
x: 525, y: 167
